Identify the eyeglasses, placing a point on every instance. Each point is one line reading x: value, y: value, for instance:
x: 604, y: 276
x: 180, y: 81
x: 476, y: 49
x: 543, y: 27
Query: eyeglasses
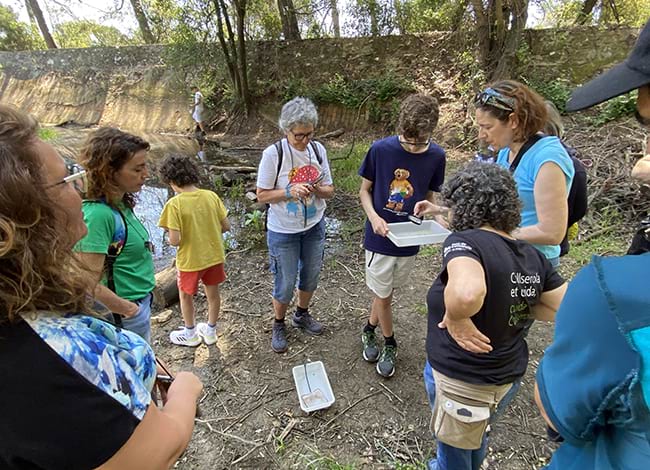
x: 301, y: 137
x: 77, y: 176
x: 415, y: 144
x: 491, y: 97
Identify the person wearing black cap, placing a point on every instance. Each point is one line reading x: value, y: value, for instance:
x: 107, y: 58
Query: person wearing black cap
x: 593, y: 383
x: 632, y: 73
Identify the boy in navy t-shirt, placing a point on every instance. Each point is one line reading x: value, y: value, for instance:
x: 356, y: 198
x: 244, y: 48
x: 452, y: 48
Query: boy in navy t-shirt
x: 397, y: 172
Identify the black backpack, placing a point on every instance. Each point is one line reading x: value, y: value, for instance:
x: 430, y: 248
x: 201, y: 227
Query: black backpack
x: 280, y: 150
x: 577, y: 197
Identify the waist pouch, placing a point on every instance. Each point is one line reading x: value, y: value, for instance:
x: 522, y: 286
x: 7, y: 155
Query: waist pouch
x: 462, y: 410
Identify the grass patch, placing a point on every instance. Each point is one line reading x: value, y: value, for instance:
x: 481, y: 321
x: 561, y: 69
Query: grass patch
x: 47, y: 134
x: 345, y: 164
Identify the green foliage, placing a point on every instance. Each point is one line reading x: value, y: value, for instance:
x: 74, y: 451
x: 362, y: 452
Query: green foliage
x: 419, y: 16
x: 263, y: 20
x: 86, y: 33
x: 354, y: 93
x: 564, y: 13
x: 557, y: 91
x: 472, y: 75
x: 254, y: 220
x: 16, y: 35
x: 345, y: 164
x: 378, y: 95
x: 618, y: 107
x: 47, y: 134
x: 432, y: 251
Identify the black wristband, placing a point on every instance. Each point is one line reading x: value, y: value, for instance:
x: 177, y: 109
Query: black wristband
x: 642, y: 120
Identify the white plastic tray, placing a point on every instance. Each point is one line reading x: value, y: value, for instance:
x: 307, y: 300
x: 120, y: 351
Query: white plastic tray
x: 410, y: 234
x: 318, y: 380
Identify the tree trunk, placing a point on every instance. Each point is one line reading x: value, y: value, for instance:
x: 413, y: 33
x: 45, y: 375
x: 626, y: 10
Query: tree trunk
x: 30, y: 13
x: 504, y: 56
x: 585, y: 11
x: 166, y: 291
x: 499, y: 29
x: 147, y: 35
x: 42, y: 25
x: 336, y: 26
x: 240, y: 7
x: 234, y: 51
x: 289, y: 21
x: 373, y: 11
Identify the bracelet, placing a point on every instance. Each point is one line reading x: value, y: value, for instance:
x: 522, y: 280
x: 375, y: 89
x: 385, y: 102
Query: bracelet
x: 287, y: 192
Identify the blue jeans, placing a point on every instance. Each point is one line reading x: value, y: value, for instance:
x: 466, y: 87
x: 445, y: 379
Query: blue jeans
x: 140, y: 323
x: 453, y: 458
x: 296, y: 256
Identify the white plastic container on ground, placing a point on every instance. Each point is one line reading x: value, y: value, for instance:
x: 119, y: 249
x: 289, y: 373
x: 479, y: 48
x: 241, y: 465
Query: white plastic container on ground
x: 313, y: 386
x: 410, y: 234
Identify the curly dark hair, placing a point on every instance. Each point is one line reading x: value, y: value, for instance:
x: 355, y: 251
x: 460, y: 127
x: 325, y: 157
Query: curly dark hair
x: 483, y: 194
x: 179, y: 170
x: 418, y: 116
x: 104, y: 153
x: 38, y: 270
x: 530, y: 108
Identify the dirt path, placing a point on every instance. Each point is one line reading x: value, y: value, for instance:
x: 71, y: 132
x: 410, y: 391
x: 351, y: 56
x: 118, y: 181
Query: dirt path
x: 251, y: 416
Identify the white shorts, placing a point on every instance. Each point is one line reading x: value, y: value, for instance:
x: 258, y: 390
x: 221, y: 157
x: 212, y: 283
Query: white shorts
x: 385, y: 273
x: 196, y: 115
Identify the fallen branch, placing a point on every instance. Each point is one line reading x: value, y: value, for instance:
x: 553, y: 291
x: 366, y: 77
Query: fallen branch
x: 377, y: 392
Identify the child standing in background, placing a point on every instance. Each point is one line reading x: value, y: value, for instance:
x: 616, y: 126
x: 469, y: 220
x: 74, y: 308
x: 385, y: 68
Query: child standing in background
x: 195, y: 219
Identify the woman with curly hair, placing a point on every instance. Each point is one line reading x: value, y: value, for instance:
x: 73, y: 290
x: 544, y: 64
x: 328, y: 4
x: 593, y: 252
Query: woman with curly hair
x: 510, y: 117
x: 118, y: 248
x: 491, y: 288
x: 76, y: 390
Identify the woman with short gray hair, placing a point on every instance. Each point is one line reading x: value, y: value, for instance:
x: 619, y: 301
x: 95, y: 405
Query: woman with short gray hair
x: 294, y: 181
x: 481, y: 307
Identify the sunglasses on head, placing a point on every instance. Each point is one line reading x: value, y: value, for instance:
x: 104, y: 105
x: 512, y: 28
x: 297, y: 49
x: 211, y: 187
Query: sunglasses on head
x: 76, y: 176
x: 491, y: 97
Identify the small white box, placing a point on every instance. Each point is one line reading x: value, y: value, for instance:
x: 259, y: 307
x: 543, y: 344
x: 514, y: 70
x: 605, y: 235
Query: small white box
x: 314, y: 385
x: 410, y: 234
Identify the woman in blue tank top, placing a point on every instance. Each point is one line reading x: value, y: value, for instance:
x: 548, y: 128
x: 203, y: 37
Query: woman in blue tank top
x: 510, y: 117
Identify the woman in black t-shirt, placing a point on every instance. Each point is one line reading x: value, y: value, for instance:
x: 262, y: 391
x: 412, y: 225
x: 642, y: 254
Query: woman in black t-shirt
x: 481, y: 306
x: 76, y: 391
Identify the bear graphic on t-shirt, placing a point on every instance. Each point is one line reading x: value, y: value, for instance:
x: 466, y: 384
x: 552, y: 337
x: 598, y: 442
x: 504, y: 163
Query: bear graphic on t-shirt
x: 400, y: 190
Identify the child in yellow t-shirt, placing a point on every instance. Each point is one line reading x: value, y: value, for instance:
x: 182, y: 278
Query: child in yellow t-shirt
x: 195, y: 219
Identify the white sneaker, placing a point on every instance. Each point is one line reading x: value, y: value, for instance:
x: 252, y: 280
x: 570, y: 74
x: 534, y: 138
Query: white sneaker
x: 181, y: 337
x: 209, y: 335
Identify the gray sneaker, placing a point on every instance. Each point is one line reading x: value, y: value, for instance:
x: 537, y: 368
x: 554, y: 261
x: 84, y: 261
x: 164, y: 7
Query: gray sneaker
x: 386, y: 364
x: 307, y: 323
x: 370, y: 348
x: 279, y: 338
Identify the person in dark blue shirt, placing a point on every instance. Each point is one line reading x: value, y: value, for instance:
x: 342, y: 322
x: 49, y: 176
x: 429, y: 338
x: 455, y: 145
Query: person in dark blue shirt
x: 397, y: 172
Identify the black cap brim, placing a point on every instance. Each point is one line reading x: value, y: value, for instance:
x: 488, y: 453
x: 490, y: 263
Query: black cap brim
x: 616, y: 81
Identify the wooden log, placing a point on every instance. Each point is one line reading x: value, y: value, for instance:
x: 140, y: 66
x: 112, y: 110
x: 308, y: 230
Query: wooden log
x: 238, y: 169
x: 328, y: 135
x: 166, y: 291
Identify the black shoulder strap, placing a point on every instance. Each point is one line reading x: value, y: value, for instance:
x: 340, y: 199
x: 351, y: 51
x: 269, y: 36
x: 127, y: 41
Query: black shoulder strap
x: 524, y: 148
x: 280, y: 151
x: 314, y: 147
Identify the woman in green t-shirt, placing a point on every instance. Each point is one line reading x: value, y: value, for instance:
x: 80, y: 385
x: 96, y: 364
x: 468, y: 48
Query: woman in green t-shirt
x: 117, y: 246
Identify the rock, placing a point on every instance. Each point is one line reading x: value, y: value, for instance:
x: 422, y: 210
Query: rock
x: 163, y: 317
x: 251, y: 196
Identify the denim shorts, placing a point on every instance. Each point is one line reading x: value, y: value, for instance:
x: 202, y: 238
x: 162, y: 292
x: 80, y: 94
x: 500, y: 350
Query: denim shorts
x: 140, y: 323
x: 296, y: 259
